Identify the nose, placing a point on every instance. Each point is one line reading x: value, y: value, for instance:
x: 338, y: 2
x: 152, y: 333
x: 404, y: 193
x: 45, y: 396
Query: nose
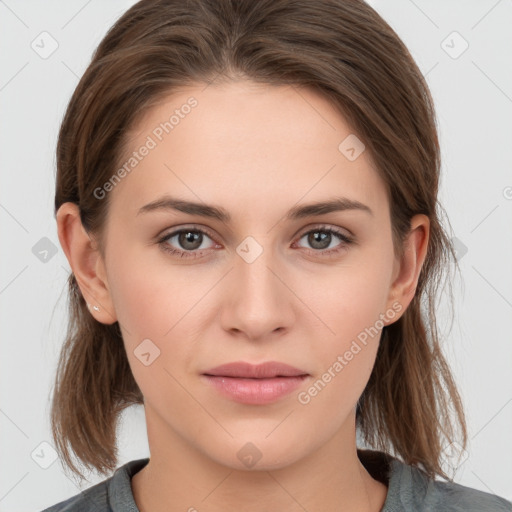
x: 258, y: 300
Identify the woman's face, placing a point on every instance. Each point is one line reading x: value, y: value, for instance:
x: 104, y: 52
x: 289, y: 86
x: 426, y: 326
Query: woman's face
x: 266, y: 281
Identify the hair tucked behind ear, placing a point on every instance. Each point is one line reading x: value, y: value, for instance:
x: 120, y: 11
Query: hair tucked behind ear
x: 346, y: 52
x: 94, y: 384
x: 412, y: 383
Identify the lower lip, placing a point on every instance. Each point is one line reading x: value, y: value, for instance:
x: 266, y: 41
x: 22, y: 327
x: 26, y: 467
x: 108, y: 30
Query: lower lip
x: 255, y: 391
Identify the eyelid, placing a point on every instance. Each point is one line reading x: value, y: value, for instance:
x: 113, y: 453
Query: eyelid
x: 303, y: 231
x: 328, y: 227
x: 192, y: 227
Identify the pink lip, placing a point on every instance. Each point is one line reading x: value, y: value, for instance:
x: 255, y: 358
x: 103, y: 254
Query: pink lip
x: 255, y: 384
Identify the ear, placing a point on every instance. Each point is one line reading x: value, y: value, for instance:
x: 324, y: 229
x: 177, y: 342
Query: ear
x: 86, y: 263
x: 406, y: 271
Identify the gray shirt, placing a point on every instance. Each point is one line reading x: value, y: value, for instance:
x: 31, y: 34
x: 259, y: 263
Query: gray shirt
x: 409, y: 489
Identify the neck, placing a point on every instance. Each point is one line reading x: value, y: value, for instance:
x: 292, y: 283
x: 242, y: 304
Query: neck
x: 179, y: 477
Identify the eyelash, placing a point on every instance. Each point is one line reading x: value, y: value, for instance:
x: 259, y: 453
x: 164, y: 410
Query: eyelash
x: 346, y: 241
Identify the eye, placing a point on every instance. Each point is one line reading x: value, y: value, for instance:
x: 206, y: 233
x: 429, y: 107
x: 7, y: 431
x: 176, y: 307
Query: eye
x: 321, y: 238
x: 190, y: 242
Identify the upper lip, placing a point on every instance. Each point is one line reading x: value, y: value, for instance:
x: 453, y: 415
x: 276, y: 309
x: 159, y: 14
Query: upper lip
x: 255, y: 371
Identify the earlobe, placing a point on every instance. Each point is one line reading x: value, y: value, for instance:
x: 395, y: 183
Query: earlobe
x: 407, y: 270
x: 85, y: 260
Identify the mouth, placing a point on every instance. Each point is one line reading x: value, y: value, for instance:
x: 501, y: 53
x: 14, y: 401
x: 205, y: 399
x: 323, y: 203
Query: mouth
x: 267, y: 370
x: 255, y: 384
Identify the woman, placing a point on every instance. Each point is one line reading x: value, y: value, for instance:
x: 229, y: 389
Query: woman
x: 247, y: 197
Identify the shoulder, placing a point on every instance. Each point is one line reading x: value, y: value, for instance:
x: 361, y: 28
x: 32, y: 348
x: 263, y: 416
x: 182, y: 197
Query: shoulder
x: 411, y: 489
x: 111, y: 495
x: 94, y: 498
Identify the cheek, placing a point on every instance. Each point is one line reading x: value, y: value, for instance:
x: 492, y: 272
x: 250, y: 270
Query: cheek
x: 349, y: 299
x: 351, y: 304
x: 344, y: 360
x: 151, y: 295
x: 157, y: 301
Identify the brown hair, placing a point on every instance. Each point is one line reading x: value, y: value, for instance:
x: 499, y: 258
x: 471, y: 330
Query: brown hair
x: 347, y: 53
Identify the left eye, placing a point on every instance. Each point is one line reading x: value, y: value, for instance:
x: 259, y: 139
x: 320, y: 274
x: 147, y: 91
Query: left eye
x: 320, y: 239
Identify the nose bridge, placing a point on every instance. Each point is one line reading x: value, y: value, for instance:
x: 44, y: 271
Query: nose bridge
x: 252, y: 269
x: 260, y: 302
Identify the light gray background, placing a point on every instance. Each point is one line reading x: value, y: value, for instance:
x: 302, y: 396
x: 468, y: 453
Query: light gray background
x: 473, y: 96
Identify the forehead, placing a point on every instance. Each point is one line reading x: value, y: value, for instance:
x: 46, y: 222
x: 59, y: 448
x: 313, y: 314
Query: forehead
x: 246, y: 145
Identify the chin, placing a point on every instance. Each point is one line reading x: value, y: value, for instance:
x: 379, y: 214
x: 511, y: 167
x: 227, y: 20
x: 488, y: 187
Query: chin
x: 256, y: 453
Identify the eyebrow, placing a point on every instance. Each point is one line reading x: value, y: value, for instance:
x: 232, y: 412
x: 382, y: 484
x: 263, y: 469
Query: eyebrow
x: 335, y: 204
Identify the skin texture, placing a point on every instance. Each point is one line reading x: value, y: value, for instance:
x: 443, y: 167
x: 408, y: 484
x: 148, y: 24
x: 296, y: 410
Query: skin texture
x: 256, y: 151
